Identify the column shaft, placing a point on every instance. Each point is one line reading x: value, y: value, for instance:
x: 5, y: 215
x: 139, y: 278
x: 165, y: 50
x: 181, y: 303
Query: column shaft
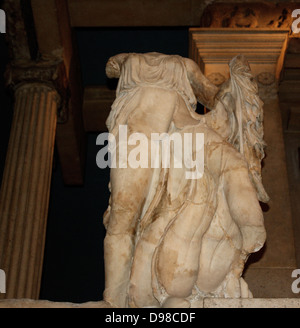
x: 24, y: 196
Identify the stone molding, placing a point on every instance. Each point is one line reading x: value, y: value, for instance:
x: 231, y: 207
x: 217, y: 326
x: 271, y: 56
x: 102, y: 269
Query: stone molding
x: 204, y: 303
x: 266, y: 82
x: 213, y: 48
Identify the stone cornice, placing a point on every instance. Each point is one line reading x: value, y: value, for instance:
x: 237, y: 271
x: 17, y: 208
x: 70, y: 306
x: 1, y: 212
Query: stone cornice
x: 213, y: 48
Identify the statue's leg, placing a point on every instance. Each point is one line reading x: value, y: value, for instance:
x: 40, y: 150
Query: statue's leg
x: 236, y: 230
x: 178, y: 253
x: 129, y: 191
x: 151, y: 111
x: 141, y: 291
x: 220, y: 246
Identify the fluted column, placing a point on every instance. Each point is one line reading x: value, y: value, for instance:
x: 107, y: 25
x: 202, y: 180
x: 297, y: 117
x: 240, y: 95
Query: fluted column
x: 24, y: 196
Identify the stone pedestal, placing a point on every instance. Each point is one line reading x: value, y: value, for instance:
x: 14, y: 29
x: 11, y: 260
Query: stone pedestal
x: 268, y: 272
x: 26, y: 184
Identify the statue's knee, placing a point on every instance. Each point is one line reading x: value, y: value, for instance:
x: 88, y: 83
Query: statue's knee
x: 122, y: 222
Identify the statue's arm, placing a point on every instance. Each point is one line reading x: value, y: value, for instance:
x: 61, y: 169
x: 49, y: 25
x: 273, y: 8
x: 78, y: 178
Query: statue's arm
x: 113, y: 66
x: 204, y: 90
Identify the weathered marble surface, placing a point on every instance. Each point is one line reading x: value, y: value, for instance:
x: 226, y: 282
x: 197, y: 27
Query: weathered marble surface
x: 173, y: 241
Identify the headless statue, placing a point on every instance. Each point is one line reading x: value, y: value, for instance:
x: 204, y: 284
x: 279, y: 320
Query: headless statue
x: 171, y: 241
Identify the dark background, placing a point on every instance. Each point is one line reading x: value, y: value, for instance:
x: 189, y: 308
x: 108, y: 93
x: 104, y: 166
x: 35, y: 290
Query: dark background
x: 5, y: 105
x: 73, y: 265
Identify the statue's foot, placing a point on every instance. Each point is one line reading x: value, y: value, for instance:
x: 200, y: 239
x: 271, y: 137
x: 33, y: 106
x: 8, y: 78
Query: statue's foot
x: 174, y: 302
x: 108, y: 304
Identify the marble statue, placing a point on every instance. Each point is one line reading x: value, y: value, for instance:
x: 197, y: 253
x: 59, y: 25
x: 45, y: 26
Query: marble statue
x: 172, y: 240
